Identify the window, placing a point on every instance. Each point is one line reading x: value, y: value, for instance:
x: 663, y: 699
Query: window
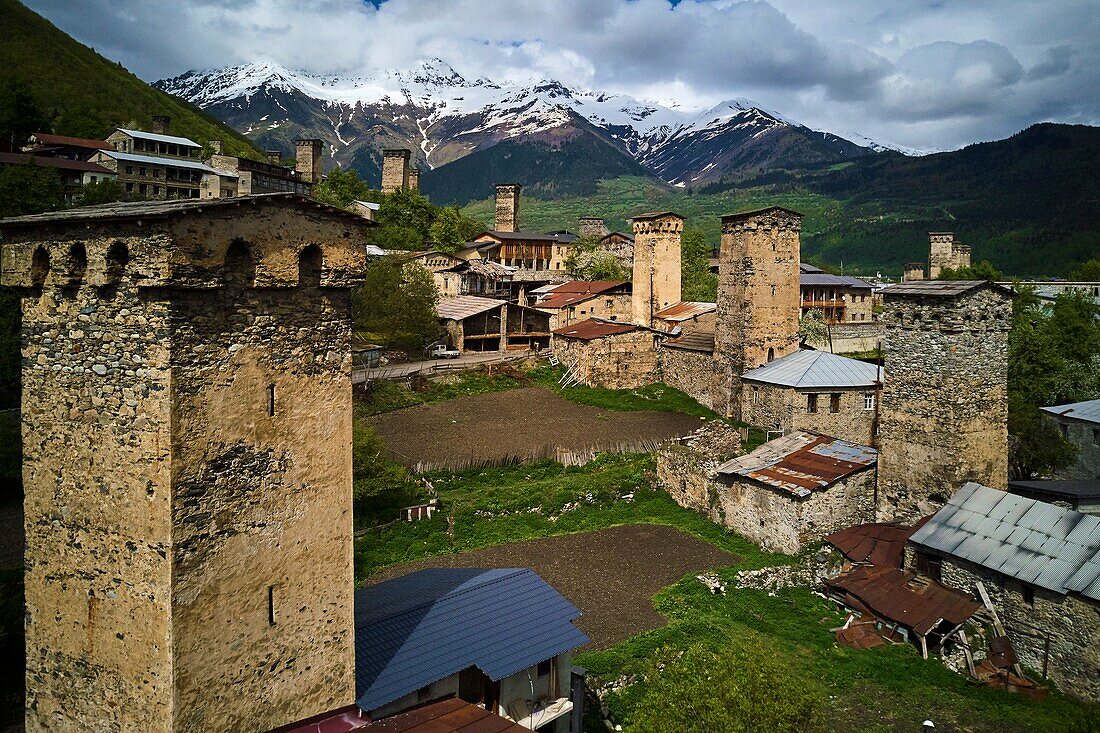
x: 1065, y: 430
x: 811, y: 403
x: 129, y: 170
x: 141, y: 171
x: 868, y: 402
x: 834, y: 402
x: 271, y: 605
x: 156, y: 173
x: 271, y: 400
x: 756, y: 395
x: 1029, y: 595
x: 1095, y: 436
x: 129, y: 188
x: 929, y: 566
x: 142, y: 188
x: 544, y: 667
x: 771, y: 354
x: 156, y: 190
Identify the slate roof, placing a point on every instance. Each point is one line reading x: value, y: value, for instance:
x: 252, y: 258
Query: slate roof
x: 459, y: 307
x: 157, y: 137
x: 940, y: 288
x: 807, y: 267
x: 801, y: 462
x: 702, y: 341
x: 167, y: 208
x: 590, y: 329
x: 824, y: 278
x: 1088, y: 411
x: 685, y: 310
x: 808, y: 369
x: 1037, y: 543
x: 1058, y: 488
x: 425, y: 626
x: 757, y: 212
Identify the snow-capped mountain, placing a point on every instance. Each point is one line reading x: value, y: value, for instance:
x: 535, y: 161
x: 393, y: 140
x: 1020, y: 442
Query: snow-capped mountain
x: 446, y: 117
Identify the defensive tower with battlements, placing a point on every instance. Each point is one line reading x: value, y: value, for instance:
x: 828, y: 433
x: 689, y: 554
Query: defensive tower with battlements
x: 657, y: 275
x: 507, y: 207
x: 395, y: 169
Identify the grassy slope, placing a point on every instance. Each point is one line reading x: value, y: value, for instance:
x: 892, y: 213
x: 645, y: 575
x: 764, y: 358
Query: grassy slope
x: 68, y: 76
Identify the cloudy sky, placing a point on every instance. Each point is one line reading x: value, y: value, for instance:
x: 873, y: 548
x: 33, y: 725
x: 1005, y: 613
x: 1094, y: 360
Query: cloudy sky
x: 922, y: 73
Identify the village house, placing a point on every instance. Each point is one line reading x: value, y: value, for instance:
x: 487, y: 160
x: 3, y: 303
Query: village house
x: 1039, y: 564
x: 72, y: 174
x: 815, y: 391
x: 840, y: 299
x: 46, y: 145
x: 579, y: 300
x: 1082, y: 495
x: 1079, y: 423
x: 500, y: 639
x: 474, y: 277
x: 473, y: 323
x: 608, y: 354
x: 789, y: 492
x: 243, y: 176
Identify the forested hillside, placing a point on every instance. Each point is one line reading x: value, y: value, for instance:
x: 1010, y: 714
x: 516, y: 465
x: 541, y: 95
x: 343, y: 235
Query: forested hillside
x: 86, y: 95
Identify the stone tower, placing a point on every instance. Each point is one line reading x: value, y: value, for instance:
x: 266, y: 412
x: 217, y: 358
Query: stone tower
x: 591, y: 226
x: 656, y: 263
x: 944, y: 414
x: 944, y: 251
x: 912, y: 271
x: 395, y: 169
x: 414, y: 179
x: 187, y: 462
x: 758, y: 298
x: 310, y: 156
x: 507, y: 207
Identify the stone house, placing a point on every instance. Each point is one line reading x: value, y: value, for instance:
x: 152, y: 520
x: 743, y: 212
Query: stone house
x: 187, y: 461
x: 607, y: 354
x: 473, y: 323
x: 246, y: 176
x: 579, y: 300
x: 690, y: 316
x: 157, y: 165
x: 470, y: 634
x: 816, y: 391
x: 1040, y: 566
x: 1080, y: 425
x: 789, y: 492
x: 840, y: 298
x: 621, y: 246
x: 474, y: 277
x: 944, y: 414
x: 687, y: 363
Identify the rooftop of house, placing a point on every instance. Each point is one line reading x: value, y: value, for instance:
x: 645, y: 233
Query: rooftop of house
x: 1088, y: 411
x: 685, y: 310
x: 623, y: 235
x: 940, y: 288
x: 654, y: 215
x: 1056, y: 489
x: 59, y: 163
x: 169, y: 208
x: 46, y: 138
x: 800, y: 462
x: 425, y: 626
x: 459, y: 307
x: 158, y: 137
x: 875, y: 542
x: 188, y: 163
x: 446, y: 716
x: 591, y: 329
x: 808, y: 268
x: 577, y: 291
x: 1034, y: 542
x: 758, y: 212
x: 525, y: 236
x: 808, y: 369
x: 824, y: 278
x: 702, y: 341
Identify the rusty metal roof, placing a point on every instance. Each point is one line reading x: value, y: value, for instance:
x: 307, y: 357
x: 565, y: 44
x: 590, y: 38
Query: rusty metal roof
x: 577, y: 291
x: 446, y: 716
x: 74, y: 142
x: 458, y: 307
x: 60, y: 163
x: 685, y: 310
x: 801, y: 462
x: 880, y: 544
x: 1037, y: 543
x: 592, y: 329
x: 917, y: 603
x: 702, y: 341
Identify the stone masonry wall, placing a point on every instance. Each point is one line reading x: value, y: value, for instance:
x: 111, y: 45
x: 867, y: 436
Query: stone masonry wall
x: 1071, y: 623
x: 687, y: 371
x: 772, y: 407
x: 758, y: 299
x: 656, y: 278
x: 616, y: 362
x: 1087, y: 463
x: 944, y: 412
x: 395, y: 169
x: 507, y: 207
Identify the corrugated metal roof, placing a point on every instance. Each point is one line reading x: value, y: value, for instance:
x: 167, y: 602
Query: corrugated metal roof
x: 801, y: 462
x: 824, y: 278
x: 423, y: 627
x: 446, y: 716
x: 877, y: 543
x: 807, y: 267
x: 940, y: 288
x: 458, y: 307
x: 1061, y: 488
x: 685, y: 310
x: 590, y: 329
x: 820, y: 369
x: 702, y: 341
x: 74, y: 142
x: 900, y: 596
x: 577, y: 291
x: 1089, y: 411
x: 172, y: 162
x: 1038, y: 543
x: 157, y: 137
x: 528, y: 236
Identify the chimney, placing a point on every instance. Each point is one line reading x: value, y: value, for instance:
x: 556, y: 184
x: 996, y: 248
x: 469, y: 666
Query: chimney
x: 507, y: 219
x: 309, y: 154
x: 591, y: 226
x: 414, y: 179
x: 395, y: 169
x: 274, y: 157
x: 161, y: 123
x: 215, y: 146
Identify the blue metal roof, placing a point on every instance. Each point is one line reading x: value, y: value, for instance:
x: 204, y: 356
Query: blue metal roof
x: 809, y: 369
x: 425, y: 626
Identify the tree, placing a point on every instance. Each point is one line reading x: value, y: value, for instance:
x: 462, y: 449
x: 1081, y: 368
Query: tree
x: 984, y: 270
x: 20, y: 114
x: 446, y: 231
x: 1088, y: 271
x: 812, y: 329
x: 396, y: 304
x: 731, y: 691
x: 341, y: 187
x: 698, y: 282
x: 28, y: 189
x: 588, y: 261
x: 105, y: 191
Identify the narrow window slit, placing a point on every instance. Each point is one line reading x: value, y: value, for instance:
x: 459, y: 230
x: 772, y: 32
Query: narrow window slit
x: 271, y: 400
x: 271, y: 605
